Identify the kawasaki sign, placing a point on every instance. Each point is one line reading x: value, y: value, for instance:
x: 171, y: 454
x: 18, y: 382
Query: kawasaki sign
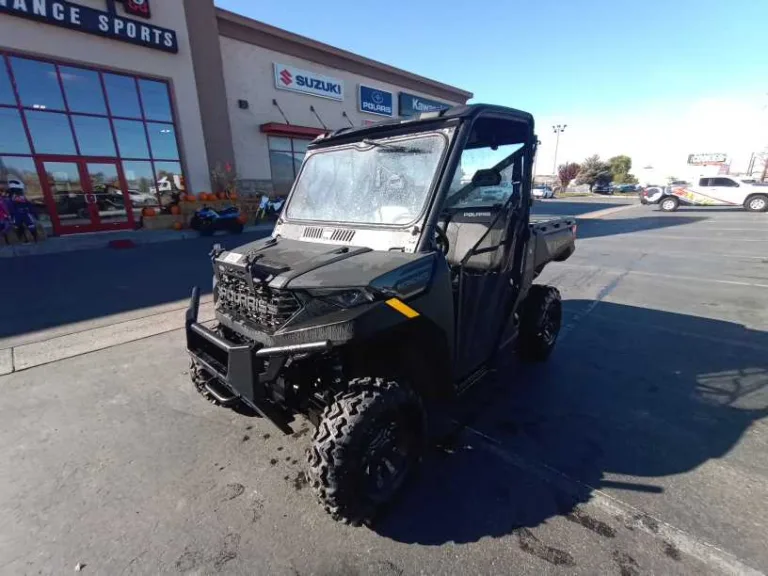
x: 411, y: 105
x: 296, y: 80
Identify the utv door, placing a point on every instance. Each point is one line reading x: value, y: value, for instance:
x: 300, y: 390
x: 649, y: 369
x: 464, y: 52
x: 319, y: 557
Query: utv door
x: 485, y: 223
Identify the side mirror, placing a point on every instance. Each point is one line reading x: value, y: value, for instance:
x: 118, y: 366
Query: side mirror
x: 486, y: 177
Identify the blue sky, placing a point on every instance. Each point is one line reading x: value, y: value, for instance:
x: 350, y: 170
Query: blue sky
x: 618, y: 72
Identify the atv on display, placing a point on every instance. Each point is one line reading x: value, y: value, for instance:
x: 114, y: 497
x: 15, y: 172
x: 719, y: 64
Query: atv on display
x: 401, y: 266
x: 207, y: 221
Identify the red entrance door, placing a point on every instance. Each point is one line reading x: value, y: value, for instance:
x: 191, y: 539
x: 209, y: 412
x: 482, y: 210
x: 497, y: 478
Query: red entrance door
x: 85, y: 195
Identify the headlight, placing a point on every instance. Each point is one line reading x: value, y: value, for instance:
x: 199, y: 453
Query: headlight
x: 344, y: 298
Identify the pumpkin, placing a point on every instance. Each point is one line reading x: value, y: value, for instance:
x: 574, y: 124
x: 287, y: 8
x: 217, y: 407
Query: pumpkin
x: 190, y: 198
x: 175, y: 210
x: 233, y: 196
x: 203, y: 196
x: 243, y: 219
x: 177, y: 226
x: 221, y: 195
x: 149, y: 212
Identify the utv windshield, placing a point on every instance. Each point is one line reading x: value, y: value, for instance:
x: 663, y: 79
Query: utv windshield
x: 383, y: 181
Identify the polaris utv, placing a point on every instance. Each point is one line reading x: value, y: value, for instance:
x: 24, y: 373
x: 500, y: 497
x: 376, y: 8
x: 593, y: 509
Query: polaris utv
x: 400, y: 268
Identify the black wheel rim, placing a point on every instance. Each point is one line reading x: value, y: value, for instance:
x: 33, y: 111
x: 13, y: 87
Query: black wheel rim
x: 550, y: 325
x: 388, y: 459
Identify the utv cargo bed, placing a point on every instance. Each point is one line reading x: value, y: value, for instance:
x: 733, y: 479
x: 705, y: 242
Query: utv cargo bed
x: 554, y: 237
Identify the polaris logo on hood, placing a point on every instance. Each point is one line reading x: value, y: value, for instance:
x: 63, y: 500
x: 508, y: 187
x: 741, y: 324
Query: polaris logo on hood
x: 296, y: 80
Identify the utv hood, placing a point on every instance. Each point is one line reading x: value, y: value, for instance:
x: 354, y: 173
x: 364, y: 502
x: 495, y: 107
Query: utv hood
x: 294, y: 264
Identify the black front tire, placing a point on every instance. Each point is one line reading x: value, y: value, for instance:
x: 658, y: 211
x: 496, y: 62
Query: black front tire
x: 368, y: 442
x: 540, y: 320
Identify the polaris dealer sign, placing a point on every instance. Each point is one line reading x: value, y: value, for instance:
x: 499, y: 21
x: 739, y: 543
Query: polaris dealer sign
x: 296, y: 80
x: 100, y: 23
x: 375, y: 101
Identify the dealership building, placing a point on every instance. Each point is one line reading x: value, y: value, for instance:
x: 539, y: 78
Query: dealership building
x: 111, y: 106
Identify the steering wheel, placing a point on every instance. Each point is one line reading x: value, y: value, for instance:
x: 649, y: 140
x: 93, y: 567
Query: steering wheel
x: 442, y: 241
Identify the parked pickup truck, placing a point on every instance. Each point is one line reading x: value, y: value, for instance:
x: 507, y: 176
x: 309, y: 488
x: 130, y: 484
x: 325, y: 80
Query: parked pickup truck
x: 384, y: 291
x: 710, y: 191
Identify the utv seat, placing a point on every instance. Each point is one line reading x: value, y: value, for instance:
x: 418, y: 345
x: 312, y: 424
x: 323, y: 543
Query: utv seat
x: 466, y: 228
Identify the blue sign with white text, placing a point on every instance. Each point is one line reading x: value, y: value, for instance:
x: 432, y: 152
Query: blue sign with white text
x: 376, y: 101
x: 411, y: 105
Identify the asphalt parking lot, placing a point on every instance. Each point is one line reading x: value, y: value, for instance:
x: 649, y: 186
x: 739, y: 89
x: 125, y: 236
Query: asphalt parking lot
x: 641, y: 447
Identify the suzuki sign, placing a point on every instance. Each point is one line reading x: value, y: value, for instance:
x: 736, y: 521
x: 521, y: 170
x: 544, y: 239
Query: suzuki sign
x: 296, y: 80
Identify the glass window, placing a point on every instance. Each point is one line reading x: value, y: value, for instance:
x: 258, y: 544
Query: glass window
x: 51, y: 133
x: 13, y: 139
x: 24, y: 170
x: 6, y: 90
x: 703, y: 181
x: 131, y: 139
x: 83, y: 90
x: 276, y: 143
x: 170, y: 182
x: 122, y: 96
x: 154, y: 97
x: 386, y: 184
x: 285, y: 158
x: 38, y: 84
x: 141, y: 183
x: 283, y: 171
x: 94, y: 136
x: 162, y: 139
x: 725, y: 182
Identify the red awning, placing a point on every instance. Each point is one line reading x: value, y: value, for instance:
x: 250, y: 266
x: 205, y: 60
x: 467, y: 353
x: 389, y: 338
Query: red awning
x: 277, y: 129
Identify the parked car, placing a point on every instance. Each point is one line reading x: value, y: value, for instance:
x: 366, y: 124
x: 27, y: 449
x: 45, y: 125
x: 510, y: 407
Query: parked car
x: 542, y: 191
x: 606, y: 189
x: 713, y: 191
x: 625, y: 188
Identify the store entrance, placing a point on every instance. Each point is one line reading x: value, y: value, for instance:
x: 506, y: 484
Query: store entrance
x: 85, y: 195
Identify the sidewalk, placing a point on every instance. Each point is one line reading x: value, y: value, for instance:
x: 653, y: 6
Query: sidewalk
x: 126, y: 239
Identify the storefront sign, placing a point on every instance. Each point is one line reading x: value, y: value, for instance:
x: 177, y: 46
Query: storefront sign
x: 375, y: 101
x: 296, y: 80
x: 707, y: 159
x: 410, y: 105
x: 98, y: 22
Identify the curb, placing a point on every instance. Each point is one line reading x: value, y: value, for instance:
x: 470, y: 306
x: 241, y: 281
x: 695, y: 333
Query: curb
x: 606, y: 212
x: 107, y: 240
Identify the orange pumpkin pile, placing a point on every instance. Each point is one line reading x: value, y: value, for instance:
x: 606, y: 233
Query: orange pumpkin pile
x: 175, y: 210
x: 148, y: 212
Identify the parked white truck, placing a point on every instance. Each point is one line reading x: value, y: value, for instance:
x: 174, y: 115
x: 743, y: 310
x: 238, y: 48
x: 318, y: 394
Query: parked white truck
x: 719, y: 190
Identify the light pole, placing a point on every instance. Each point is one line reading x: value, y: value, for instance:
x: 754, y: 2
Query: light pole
x: 557, y: 129
x: 535, y: 160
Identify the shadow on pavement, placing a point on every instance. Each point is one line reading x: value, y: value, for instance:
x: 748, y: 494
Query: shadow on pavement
x: 566, y: 208
x: 610, y: 227
x: 632, y: 395
x: 45, y: 291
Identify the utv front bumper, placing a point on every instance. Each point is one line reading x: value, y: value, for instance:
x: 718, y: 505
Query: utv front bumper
x: 243, y: 372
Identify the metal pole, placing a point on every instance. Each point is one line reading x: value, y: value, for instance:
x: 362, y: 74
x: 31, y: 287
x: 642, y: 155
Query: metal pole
x: 558, y: 129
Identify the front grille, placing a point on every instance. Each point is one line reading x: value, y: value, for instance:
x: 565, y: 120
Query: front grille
x: 267, y: 308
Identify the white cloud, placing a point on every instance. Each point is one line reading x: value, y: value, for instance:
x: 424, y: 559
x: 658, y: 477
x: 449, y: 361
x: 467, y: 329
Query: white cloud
x: 662, y: 136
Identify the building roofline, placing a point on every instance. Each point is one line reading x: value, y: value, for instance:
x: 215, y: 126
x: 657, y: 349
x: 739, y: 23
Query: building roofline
x: 237, y: 27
